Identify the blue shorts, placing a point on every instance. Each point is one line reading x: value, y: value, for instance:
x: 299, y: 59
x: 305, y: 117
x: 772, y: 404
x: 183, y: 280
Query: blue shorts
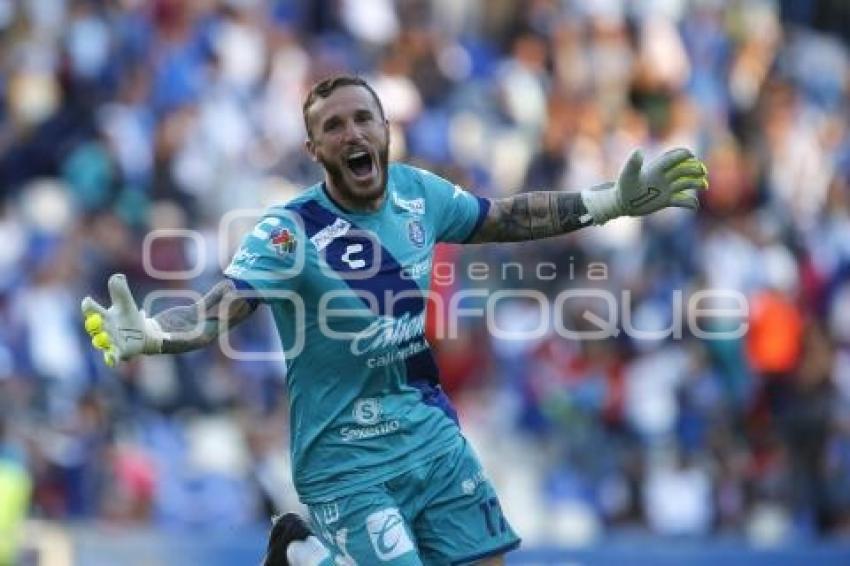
x: 445, y: 512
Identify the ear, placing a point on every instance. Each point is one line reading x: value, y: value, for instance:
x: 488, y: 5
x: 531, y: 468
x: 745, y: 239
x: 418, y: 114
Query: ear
x: 311, y: 149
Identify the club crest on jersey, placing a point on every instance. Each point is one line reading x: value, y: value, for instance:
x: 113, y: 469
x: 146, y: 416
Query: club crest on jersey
x: 283, y: 240
x: 416, y: 233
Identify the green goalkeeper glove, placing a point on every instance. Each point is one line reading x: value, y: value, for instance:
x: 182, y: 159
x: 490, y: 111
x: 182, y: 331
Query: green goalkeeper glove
x: 671, y: 180
x: 122, y: 331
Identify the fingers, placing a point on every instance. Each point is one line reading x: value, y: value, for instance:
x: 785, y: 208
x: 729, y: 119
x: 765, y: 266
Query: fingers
x: 120, y: 293
x: 686, y: 179
x: 101, y: 341
x: 99, y: 338
x: 630, y: 173
x: 95, y: 320
x: 689, y: 183
x: 93, y: 323
x: 685, y: 199
x: 633, y: 164
x: 89, y: 305
x: 94, y: 326
x: 671, y: 158
x: 689, y: 168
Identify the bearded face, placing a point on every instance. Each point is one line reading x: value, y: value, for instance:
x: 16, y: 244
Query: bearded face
x: 349, y: 137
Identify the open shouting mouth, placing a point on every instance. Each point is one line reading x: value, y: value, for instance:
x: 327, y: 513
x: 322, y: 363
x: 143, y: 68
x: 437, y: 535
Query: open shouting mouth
x: 361, y: 164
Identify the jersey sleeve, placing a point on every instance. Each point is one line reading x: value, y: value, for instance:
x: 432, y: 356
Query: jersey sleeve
x: 459, y: 213
x: 271, y: 258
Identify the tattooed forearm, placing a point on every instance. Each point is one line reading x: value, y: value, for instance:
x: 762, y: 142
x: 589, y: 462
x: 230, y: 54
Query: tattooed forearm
x: 194, y: 326
x: 531, y: 216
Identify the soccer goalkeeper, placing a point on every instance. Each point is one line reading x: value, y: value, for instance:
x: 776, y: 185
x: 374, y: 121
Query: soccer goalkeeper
x: 378, y: 456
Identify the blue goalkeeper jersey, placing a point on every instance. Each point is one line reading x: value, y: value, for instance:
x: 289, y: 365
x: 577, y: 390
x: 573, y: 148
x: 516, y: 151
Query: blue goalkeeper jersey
x: 347, y: 291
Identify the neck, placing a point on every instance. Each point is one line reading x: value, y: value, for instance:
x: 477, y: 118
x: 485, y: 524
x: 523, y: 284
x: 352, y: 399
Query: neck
x: 349, y: 204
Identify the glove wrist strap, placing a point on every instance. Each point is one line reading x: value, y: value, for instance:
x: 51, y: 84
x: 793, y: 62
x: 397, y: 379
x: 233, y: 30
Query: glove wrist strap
x: 602, y: 202
x: 154, y: 337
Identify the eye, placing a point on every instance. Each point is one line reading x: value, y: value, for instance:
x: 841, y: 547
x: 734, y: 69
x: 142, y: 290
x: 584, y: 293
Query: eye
x: 363, y: 117
x: 332, y: 125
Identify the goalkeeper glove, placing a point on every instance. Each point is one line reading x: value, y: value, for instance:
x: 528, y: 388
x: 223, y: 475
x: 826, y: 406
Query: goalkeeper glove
x: 122, y: 331
x: 291, y: 543
x: 672, y: 179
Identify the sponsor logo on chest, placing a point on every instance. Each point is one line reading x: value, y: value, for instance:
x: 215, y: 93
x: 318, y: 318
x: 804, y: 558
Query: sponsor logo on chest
x: 328, y: 234
x: 414, y: 205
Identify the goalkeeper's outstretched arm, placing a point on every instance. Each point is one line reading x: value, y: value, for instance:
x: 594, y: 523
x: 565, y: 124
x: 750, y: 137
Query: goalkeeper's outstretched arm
x: 671, y: 180
x: 123, y: 331
x: 194, y: 326
x: 531, y: 216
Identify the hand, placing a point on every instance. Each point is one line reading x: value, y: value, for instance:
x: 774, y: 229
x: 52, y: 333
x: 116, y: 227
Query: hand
x: 292, y: 542
x: 671, y: 180
x: 122, y: 331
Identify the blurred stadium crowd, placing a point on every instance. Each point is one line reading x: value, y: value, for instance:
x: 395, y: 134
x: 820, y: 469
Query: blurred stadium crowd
x: 118, y: 117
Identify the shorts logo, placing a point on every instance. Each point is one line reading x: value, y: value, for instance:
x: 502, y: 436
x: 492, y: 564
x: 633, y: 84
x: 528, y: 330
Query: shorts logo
x: 367, y: 411
x: 416, y: 233
x: 470, y: 484
x: 283, y: 241
x: 330, y: 513
x: 387, y: 533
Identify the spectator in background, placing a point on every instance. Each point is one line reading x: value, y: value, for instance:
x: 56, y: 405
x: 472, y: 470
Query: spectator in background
x: 15, y: 491
x: 122, y: 117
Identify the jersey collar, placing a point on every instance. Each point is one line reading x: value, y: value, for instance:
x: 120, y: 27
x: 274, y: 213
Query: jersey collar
x: 341, y: 210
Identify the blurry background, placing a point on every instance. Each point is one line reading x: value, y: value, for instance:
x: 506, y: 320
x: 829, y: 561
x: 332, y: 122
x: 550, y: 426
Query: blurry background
x: 118, y: 117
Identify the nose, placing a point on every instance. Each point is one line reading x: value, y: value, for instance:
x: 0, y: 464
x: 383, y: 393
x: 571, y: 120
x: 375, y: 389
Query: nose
x: 352, y: 132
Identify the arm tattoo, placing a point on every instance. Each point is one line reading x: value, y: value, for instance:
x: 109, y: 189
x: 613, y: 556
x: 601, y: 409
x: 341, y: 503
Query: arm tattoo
x: 194, y: 326
x: 532, y: 216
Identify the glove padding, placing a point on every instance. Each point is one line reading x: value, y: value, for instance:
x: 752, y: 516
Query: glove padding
x: 122, y: 331
x: 672, y: 179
